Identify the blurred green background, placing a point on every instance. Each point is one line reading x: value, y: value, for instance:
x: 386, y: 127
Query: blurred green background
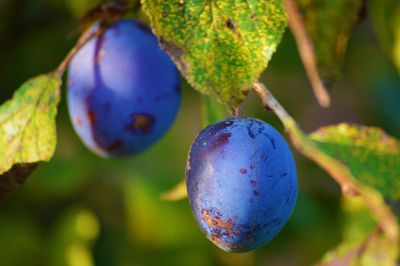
x: 82, y: 210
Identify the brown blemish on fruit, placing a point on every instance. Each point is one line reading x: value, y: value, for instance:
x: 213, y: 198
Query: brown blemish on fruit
x: 253, y: 183
x: 116, y: 145
x: 227, y: 228
x: 91, y: 115
x: 243, y: 171
x: 142, y: 123
x: 216, y: 221
x: 219, y: 227
x: 78, y: 120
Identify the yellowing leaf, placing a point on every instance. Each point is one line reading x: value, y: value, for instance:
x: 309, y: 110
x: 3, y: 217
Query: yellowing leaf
x: 362, y: 245
x: 372, y: 156
x: 27, y: 130
x: 364, y: 161
x: 371, y: 250
x: 220, y: 46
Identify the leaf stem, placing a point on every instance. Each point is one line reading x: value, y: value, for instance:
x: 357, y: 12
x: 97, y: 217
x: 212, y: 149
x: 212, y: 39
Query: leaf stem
x: 84, y: 39
x: 307, y: 52
x: 335, y: 168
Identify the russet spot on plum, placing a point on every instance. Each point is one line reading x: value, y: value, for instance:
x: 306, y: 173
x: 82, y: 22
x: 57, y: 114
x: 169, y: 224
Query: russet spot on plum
x: 242, y: 183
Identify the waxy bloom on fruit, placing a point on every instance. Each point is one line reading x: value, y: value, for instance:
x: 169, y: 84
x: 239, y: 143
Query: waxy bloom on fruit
x: 242, y: 183
x: 123, y: 90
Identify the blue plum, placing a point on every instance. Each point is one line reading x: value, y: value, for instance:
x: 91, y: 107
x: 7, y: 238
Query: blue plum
x: 123, y: 90
x: 242, y: 183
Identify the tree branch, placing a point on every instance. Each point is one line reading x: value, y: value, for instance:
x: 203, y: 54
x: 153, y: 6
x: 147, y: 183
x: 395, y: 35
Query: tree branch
x: 306, y: 51
x: 335, y: 168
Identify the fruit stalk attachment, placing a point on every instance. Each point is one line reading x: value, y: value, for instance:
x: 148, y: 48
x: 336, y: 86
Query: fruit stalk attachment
x: 82, y: 41
x: 335, y: 168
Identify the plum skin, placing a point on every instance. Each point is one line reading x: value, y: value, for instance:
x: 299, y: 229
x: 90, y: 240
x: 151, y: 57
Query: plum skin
x: 242, y: 183
x: 123, y: 90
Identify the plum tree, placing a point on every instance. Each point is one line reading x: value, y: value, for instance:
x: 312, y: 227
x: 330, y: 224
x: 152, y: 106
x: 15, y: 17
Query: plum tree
x: 123, y: 90
x: 242, y: 183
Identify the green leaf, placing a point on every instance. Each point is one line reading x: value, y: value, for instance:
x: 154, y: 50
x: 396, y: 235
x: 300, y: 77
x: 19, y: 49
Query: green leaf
x: 372, y: 156
x: 363, y: 244
x: 372, y: 250
x: 178, y: 192
x: 365, y: 162
x: 27, y: 130
x: 385, y: 18
x: 329, y: 24
x: 220, y: 46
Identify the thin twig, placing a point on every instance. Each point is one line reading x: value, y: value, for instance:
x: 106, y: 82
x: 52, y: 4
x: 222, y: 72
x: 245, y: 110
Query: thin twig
x: 367, y: 241
x: 105, y: 13
x: 84, y: 39
x: 307, y: 52
x: 335, y: 168
x: 303, y: 144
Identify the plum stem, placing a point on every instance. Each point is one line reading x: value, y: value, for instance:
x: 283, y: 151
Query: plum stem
x: 84, y: 39
x: 307, y: 52
x: 303, y: 144
x: 335, y: 168
x: 89, y: 35
x: 237, y: 111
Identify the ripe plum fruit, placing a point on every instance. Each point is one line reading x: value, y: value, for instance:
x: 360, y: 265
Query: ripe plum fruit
x: 123, y: 90
x: 242, y: 183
